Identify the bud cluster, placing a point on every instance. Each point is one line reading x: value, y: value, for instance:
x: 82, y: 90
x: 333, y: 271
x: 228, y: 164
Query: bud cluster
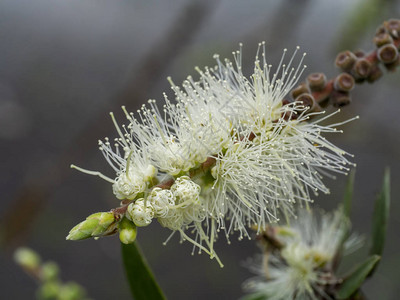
x: 48, y: 276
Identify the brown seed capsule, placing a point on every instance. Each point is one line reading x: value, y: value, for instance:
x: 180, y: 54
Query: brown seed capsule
x: 381, y: 29
x: 374, y: 74
x: 289, y: 115
x: 301, y: 89
x: 316, y: 81
x: 382, y: 39
x: 345, y: 60
x: 339, y: 99
x: 393, y: 27
x: 344, y: 82
x: 392, y: 66
x: 359, y: 53
x: 308, y: 101
x: 362, y: 68
x: 387, y: 54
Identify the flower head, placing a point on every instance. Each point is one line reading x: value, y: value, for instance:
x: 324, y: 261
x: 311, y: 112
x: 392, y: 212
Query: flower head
x: 303, y: 265
x: 231, y: 152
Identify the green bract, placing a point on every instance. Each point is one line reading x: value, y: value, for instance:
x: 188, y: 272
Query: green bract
x: 98, y: 224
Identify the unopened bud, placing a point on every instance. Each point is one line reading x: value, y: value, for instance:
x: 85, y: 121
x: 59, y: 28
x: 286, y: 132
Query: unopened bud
x: 344, y: 82
x: 71, y: 291
x: 185, y: 190
x: 98, y: 224
x: 388, y: 54
x: 127, y: 231
x: 393, y: 27
x: 49, y: 290
x: 141, y: 212
x: 301, y: 89
x: 49, y: 271
x: 316, y: 81
x: 27, y: 258
x: 345, y: 60
x: 162, y: 200
x: 339, y: 99
x: 382, y: 39
x: 361, y: 68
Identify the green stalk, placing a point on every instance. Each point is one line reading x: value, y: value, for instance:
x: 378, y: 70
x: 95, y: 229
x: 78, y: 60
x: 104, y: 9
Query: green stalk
x: 141, y: 280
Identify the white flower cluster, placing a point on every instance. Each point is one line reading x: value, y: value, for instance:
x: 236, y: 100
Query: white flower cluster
x: 304, y: 266
x: 227, y: 150
x: 174, y: 208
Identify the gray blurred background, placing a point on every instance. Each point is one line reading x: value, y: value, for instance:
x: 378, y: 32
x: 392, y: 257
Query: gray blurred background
x: 66, y: 64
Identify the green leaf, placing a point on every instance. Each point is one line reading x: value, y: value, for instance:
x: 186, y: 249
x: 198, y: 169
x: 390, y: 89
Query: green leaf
x: 256, y: 296
x: 356, y: 278
x: 381, y: 215
x: 346, y: 208
x: 348, y: 194
x: 140, y: 278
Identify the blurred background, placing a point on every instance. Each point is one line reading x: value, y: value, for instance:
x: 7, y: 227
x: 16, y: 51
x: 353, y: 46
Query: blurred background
x: 66, y: 64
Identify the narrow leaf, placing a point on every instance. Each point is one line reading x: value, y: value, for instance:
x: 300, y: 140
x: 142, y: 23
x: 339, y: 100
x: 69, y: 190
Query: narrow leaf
x: 256, y: 296
x: 380, y: 217
x: 140, y: 278
x: 348, y: 194
x: 346, y: 208
x: 356, y: 278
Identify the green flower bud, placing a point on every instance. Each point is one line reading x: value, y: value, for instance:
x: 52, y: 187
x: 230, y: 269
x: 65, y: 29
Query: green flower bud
x: 50, y: 271
x: 127, y: 231
x: 27, y: 258
x: 98, y: 224
x: 105, y: 219
x: 49, y: 290
x: 71, y: 291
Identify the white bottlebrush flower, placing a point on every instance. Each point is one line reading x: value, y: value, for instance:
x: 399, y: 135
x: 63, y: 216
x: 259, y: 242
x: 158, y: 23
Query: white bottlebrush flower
x: 274, y: 161
x: 229, y: 150
x: 303, y: 268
